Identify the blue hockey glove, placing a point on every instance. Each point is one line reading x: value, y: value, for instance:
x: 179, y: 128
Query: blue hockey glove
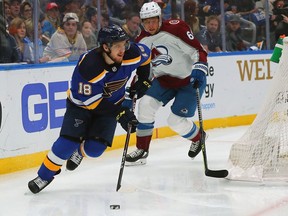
x: 126, y: 116
x: 140, y: 87
x: 198, y: 75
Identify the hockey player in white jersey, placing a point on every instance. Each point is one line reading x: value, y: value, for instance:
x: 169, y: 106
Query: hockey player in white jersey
x: 179, y: 66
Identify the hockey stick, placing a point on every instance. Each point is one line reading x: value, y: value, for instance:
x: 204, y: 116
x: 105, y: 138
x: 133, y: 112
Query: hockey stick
x: 208, y: 172
x: 125, y: 147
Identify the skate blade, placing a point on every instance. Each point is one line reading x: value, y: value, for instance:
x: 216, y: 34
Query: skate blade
x: 136, y: 163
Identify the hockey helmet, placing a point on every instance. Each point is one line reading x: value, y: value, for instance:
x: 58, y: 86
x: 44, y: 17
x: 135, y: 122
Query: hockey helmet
x: 150, y: 9
x: 110, y: 34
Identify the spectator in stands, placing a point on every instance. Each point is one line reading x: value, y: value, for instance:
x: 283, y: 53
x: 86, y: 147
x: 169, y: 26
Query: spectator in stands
x: 8, y: 46
x: 52, y: 19
x: 207, y: 8
x: 117, y: 7
x: 132, y: 25
x: 7, y: 12
x: 43, y: 4
x: 67, y: 43
x: 191, y: 11
x: 259, y: 19
x: 17, y: 29
x: 134, y: 6
x: 26, y: 10
x: 210, y: 36
x: 14, y: 9
x: 105, y: 20
x: 28, y: 53
x: 245, y: 8
x: 234, y: 40
x: 103, y: 5
x: 92, y: 17
x: 166, y: 10
x: 72, y: 6
x: 279, y: 19
x: 232, y: 9
x: 88, y: 35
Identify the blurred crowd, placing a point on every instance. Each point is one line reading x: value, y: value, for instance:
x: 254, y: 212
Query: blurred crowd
x: 67, y: 28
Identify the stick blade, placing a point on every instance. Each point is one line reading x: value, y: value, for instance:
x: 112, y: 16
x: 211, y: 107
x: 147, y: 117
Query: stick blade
x: 118, y: 187
x: 217, y: 173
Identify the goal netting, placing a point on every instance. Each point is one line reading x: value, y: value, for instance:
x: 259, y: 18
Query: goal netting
x: 262, y: 152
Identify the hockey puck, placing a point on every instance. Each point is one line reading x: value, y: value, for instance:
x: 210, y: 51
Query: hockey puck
x: 114, y: 207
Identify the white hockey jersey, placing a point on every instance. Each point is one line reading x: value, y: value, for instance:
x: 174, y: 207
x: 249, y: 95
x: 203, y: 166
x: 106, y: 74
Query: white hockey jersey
x: 173, y: 52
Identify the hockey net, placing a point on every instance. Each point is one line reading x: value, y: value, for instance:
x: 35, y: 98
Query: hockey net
x: 262, y: 152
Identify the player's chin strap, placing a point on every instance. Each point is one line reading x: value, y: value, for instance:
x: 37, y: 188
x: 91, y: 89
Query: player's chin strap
x: 109, y: 51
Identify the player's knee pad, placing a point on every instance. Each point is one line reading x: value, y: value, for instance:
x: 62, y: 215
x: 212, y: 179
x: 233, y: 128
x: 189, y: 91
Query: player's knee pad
x: 181, y: 125
x: 63, y: 147
x: 93, y: 147
x: 147, y: 108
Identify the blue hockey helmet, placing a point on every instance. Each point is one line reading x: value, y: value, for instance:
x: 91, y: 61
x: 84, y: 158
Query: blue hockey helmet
x: 110, y: 34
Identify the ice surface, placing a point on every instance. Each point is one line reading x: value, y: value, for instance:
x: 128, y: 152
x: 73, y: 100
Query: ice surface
x: 171, y: 184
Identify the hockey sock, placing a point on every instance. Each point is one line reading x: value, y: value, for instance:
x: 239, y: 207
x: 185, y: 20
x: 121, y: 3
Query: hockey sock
x: 61, y: 150
x: 143, y: 142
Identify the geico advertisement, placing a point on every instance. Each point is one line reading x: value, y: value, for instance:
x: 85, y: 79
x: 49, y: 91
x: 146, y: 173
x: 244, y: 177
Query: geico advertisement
x: 34, y: 99
x: 33, y: 105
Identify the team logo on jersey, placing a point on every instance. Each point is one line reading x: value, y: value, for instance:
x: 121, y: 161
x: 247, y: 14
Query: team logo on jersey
x: 113, y: 86
x: 160, y: 55
x: 78, y: 122
x: 174, y: 22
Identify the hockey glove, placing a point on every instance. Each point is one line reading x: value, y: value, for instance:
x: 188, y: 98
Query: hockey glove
x: 140, y: 87
x: 198, y: 75
x: 126, y: 116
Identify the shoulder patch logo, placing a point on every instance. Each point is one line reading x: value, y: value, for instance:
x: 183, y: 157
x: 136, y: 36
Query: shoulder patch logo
x: 174, y: 22
x: 143, y: 53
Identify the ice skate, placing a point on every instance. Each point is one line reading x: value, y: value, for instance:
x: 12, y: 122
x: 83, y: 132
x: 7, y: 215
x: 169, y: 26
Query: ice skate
x: 74, y: 161
x: 38, y: 184
x: 195, y: 147
x: 137, y: 157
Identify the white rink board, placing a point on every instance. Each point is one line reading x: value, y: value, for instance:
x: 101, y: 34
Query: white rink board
x: 33, y: 98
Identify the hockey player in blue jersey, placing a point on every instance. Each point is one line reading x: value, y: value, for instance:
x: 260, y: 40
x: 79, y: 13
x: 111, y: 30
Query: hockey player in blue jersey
x: 94, y: 102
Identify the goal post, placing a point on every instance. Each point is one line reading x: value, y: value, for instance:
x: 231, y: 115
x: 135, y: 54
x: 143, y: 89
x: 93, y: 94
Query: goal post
x: 261, y: 154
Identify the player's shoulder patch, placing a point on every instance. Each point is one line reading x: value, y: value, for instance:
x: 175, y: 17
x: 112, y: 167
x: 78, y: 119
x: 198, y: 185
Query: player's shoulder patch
x: 137, y: 53
x: 174, y: 25
x: 145, y: 52
x: 174, y: 22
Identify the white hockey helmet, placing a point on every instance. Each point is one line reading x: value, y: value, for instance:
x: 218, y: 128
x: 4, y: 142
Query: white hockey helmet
x: 150, y: 9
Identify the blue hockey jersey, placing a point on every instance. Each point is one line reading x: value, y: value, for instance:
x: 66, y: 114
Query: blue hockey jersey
x: 94, y: 80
